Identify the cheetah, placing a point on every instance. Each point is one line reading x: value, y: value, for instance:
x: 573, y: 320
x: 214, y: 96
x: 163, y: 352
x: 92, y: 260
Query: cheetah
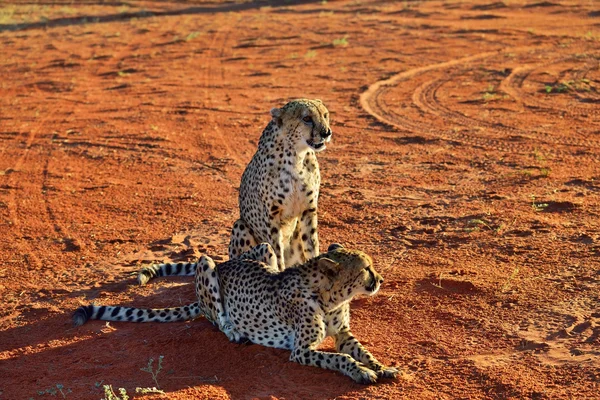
x: 249, y: 299
x: 279, y: 189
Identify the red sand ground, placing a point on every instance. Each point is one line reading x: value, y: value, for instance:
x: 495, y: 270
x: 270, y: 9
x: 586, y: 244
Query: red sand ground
x: 464, y: 160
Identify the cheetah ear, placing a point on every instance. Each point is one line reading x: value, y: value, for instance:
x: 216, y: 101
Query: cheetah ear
x: 334, y: 246
x: 276, y: 113
x: 329, y: 267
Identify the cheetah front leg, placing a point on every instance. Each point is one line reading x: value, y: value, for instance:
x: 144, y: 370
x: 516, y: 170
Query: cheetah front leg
x: 242, y: 239
x: 309, y: 234
x: 277, y: 242
x: 211, y: 299
x: 309, y: 337
x: 346, y: 343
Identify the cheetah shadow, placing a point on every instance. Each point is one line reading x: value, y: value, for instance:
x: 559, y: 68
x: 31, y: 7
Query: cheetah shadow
x: 46, y: 350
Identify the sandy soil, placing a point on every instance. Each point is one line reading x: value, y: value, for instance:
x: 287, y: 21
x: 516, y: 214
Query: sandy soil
x: 464, y: 160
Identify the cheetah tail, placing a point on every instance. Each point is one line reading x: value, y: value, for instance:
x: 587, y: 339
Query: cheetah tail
x: 117, y: 313
x: 169, y: 269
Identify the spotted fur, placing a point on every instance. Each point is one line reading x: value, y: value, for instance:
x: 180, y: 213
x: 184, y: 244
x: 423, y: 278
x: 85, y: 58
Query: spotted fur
x: 279, y: 190
x: 250, y: 300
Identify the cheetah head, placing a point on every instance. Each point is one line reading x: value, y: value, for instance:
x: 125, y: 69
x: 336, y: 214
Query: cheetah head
x: 350, y: 273
x: 305, y: 122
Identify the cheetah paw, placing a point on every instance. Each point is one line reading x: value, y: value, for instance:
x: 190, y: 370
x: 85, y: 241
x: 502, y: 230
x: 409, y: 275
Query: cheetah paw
x: 364, y: 376
x: 388, y: 372
x: 233, y: 335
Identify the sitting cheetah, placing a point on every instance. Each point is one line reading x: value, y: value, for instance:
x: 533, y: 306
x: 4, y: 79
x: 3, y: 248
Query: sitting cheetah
x: 279, y: 189
x: 249, y: 299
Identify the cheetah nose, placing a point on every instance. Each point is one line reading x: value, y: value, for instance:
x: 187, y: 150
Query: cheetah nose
x: 327, y: 133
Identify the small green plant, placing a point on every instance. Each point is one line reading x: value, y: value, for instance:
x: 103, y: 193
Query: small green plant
x: 476, y: 224
x: 192, y: 36
x: 310, y: 54
x: 558, y: 88
x: 342, y: 42
x: 527, y: 172
x: 500, y: 228
x: 148, y: 390
x: 537, y: 207
x: 55, y: 390
x: 490, y: 93
x: 149, y: 369
x: 539, y: 156
x: 109, y: 393
x: 580, y: 85
x: 488, y: 96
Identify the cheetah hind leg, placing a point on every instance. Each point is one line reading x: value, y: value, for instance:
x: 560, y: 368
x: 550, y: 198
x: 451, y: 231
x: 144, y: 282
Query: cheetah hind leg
x: 211, y: 299
x: 242, y: 239
x: 263, y: 253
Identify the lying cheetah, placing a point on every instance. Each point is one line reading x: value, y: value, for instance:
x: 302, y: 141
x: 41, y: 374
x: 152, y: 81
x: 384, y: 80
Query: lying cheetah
x: 249, y: 299
x: 279, y: 189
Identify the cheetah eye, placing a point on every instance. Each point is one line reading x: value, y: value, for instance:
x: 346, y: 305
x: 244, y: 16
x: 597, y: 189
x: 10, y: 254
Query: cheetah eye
x: 326, y: 116
x: 308, y: 119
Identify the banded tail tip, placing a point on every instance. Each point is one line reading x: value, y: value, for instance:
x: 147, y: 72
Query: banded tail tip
x: 81, y: 315
x: 144, y: 276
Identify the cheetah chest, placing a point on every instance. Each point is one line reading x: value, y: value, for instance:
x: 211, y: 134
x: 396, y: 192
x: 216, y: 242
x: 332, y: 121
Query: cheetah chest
x: 296, y: 200
x: 300, y: 194
x: 299, y: 191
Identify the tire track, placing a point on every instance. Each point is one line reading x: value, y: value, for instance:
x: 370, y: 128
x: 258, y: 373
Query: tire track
x: 71, y: 242
x: 425, y: 98
x: 513, y: 86
x: 38, y: 185
x: 26, y: 249
x: 216, y: 50
x: 373, y: 102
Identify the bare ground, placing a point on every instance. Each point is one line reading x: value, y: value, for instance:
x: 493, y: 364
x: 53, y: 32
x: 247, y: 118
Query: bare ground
x: 465, y: 161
